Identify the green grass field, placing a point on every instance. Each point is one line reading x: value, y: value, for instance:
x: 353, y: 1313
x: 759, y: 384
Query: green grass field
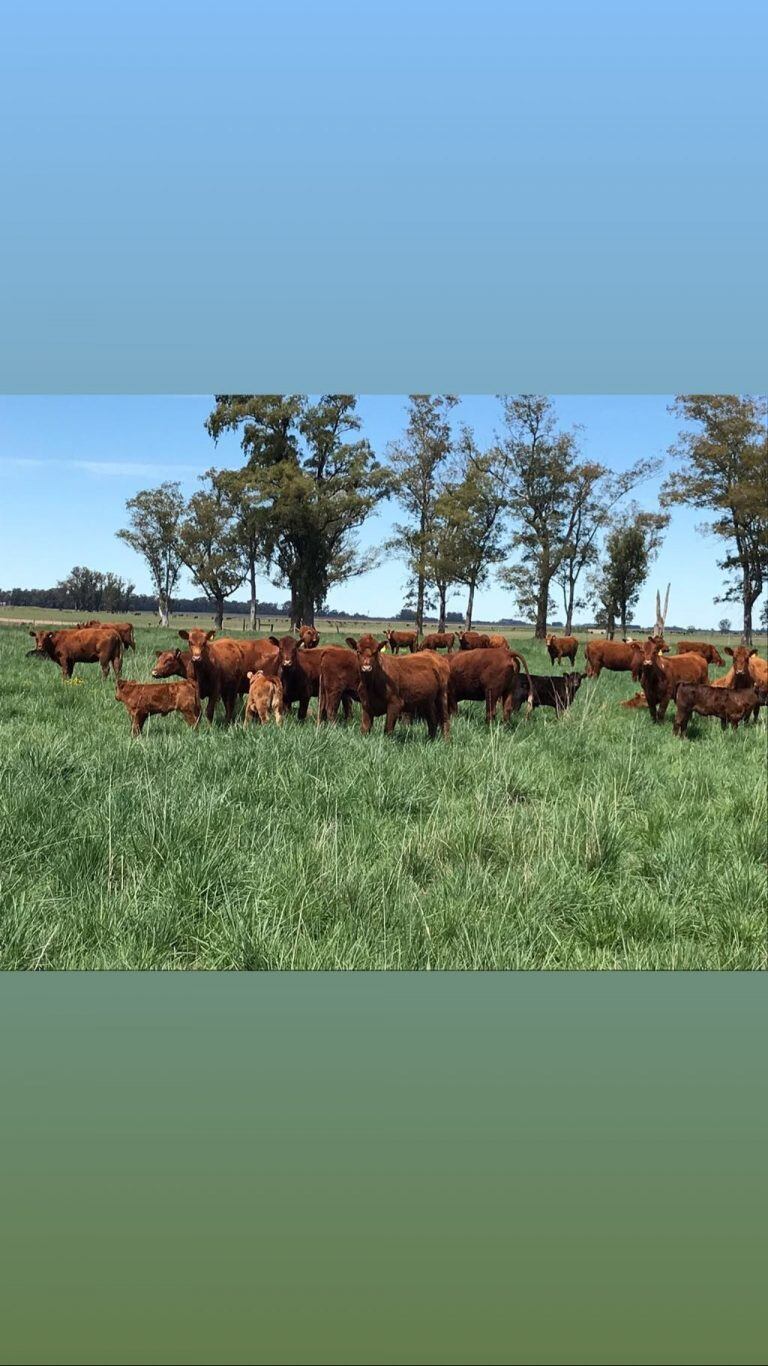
x: 596, y: 841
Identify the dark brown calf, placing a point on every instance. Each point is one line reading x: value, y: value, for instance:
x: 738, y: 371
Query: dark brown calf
x: 158, y: 699
x: 299, y: 673
x: 542, y: 690
x: 95, y: 645
x: 416, y: 686
x: 562, y: 647
x: 731, y: 705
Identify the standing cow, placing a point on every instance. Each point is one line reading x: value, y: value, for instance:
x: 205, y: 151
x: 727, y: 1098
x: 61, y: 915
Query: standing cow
x: 95, y: 645
x: 562, y: 647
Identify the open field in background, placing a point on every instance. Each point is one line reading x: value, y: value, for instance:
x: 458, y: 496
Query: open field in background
x: 597, y: 841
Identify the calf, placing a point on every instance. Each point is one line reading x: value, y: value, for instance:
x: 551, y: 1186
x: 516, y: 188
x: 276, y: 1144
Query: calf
x: 659, y: 677
x: 309, y: 637
x: 545, y: 691
x: 562, y: 647
x: 615, y: 655
x: 416, y: 686
x: 405, y: 640
x: 158, y: 699
x: 95, y: 645
x: 439, y: 640
x: 700, y: 647
x: 485, y: 675
x: 474, y: 640
x: 729, y: 704
x: 265, y: 696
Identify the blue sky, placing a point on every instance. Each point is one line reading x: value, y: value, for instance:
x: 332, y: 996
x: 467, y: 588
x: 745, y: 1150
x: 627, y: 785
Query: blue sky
x: 68, y: 464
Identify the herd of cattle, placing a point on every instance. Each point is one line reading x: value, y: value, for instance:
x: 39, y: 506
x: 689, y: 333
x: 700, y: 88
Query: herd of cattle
x: 422, y: 683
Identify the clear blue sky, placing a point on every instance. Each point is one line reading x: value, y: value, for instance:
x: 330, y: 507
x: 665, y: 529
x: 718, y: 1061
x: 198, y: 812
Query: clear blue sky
x: 67, y: 465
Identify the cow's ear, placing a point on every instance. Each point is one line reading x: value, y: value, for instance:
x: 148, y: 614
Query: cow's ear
x: 184, y: 635
x: 209, y: 635
x: 382, y: 645
x: 351, y: 642
x: 273, y: 640
x: 33, y: 633
x: 728, y: 650
x: 751, y: 653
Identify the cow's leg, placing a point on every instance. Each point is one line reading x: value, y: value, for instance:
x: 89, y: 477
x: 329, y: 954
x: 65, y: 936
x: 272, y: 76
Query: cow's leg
x: 137, y: 722
x: 303, y: 707
x: 491, y: 702
x: 191, y: 716
x: 430, y: 716
x: 394, y: 709
x: 662, y: 708
x: 346, y: 703
x: 366, y: 722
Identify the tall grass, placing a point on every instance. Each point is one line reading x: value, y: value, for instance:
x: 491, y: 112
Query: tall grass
x: 595, y: 841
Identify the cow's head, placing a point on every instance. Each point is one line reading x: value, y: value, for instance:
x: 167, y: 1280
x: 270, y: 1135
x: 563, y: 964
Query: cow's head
x: 367, y: 649
x: 168, y: 663
x: 198, y: 642
x: 741, y: 657
x: 287, y: 652
x: 645, y: 659
x: 43, y: 643
x: 573, y: 682
x: 716, y: 657
x: 660, y: 643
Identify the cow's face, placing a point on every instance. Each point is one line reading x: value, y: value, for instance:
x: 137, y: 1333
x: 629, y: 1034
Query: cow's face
x: 368, y: 650
x: 660, y: 643
x: 168, y: 663
x: 198, y: 642
x: 43, y: 642
x: 288, y: 649
x: 741, y: 657
x: 574, y: 682
x: 645, y: 659
x: 716, y: 657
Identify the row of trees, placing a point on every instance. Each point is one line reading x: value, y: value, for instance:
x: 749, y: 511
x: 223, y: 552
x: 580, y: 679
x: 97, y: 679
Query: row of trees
x: 529, y: 507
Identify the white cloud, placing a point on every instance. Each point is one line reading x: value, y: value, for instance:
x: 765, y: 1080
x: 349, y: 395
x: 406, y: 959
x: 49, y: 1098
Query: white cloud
x: 129, y: 469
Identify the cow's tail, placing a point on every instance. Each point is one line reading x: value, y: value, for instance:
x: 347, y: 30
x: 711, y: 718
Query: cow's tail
x: 517, y: 655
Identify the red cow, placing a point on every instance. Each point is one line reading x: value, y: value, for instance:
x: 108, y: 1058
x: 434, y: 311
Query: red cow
x: 699, y: 647
x: 659, y: 677
x: 439, y: 640
x: 486, y: 675
x: 158, y: 699
x: 562, y: 647
x: 401, y: 640
x: 391, y: 687
x: 474, y: 640
x: 94, y: 645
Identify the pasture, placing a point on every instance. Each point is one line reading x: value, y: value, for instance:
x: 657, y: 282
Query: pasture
x: 594, y: 841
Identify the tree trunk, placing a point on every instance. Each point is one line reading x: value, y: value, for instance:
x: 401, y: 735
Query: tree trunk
x: 219, y: 617
x: 610, y: 627
x: 542, y: 604
x: 163, y: 611
x: 470, y: 606
x: 623, y: 610
x: 305, y: 615
x: 252, y: 612
x: 442, y: 589
x: 420, y: 604
x: 569, y: 608
x: 746, y: 634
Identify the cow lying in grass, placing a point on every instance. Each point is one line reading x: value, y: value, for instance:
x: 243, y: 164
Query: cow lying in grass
x: 265, y: 698
x: 416, y: 686
x: 731, y: 705
x: 557, y: 692
x: 659, y: 677
x: 158, y: 699
x: 96, y: 645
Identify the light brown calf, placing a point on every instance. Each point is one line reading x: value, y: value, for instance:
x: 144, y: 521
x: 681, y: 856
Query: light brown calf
x: 158, y: 699
x: 265, y: 698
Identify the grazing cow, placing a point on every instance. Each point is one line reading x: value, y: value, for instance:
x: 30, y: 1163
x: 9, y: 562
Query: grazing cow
x: 562, y: 647
x: 95, y: 645
x: 309, y: 637
x: 474, y: 640
x: 405, y: 640
x: 416, y: 686
x: 729, y: 704
x: 439, y: 640
x: 485, y: 675
x: 615, y: 655
x: 124, y: 630
x: 220, y: 669
x: 158, y: 699
x: 699, y: 647
x: 546, y: 691
x: 660, y: 677
x: 498, y: 642
x: 265, y: 697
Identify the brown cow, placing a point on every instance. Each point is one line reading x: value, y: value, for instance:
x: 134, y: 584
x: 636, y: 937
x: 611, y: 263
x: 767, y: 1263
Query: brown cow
x: 299, y: 673
x: 474, y: 640
x: 439, y: 640
x: 339, y: 680
x: 731, y: 705
x: 158, y: 699
x: 486, y: 675
x: 124, y: 630
x: 96, y: 645
x: 389, y: 686
x: 562, y: 647
x: 405, y: 640
x: 498, y: 642
x: 172, y: 662
x: 633, y: 702
x: 309, y: 637
x: 615, y: 655
x: 659, y: 677
x: 265, y: 696
x: 220, y: 669
x: 699, y: 647
x: 748, y: 670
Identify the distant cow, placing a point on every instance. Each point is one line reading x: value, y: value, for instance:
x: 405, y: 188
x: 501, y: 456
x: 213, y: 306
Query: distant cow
x: 95, y: 645
x: 731, y: 705
x: 158, y: 699
x: 485, y: 675
x: 615, y: 655
x: 546, y: 691
x: 562, y: 647
x: 309, y: 637
x: 699, y: 647
x: 498, y: 642
x: 416, y: 686
x: 660, y: 677
x: 439, y: 640
x: 401, y: 640
x: 265, y: 698
x: 124, y: 630
x: 474, y: 640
